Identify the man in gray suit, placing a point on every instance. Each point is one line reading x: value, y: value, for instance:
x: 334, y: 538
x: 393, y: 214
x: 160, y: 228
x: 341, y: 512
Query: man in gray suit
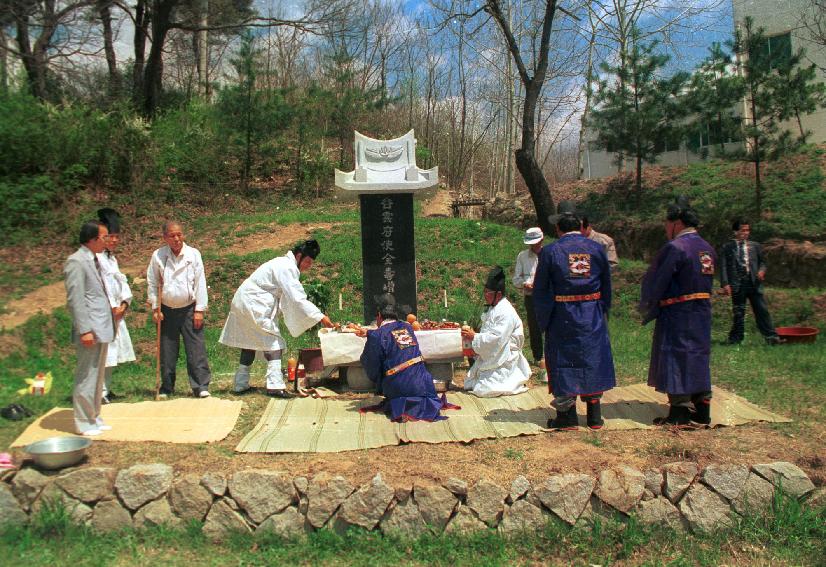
x: 93, y: 326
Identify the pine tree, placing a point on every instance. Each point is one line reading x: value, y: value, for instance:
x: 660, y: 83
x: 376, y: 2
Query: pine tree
x: 797, y: 91
x: 639, y: 114
x: 714, y: 93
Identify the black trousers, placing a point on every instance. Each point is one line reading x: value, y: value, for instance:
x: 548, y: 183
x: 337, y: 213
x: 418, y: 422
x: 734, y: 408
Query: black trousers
x: 534, y: 333
x: 739, y: 294
x: 177, y: 323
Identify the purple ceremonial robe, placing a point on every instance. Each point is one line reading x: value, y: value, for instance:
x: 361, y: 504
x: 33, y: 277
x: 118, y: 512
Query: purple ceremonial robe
x: 577, y: 347
x: 409, y: 393
x: 681, y: 346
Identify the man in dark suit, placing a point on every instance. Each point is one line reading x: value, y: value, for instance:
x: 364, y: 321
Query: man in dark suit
x: 93, y: 326
x: 742, y: 271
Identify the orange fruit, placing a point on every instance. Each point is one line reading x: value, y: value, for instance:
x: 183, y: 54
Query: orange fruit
x: 411, y: 317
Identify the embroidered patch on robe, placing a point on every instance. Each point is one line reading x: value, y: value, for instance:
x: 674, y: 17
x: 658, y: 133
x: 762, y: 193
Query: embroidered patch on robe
x: 579, y: 265
x: 403, y: 338
x: 706, y: 263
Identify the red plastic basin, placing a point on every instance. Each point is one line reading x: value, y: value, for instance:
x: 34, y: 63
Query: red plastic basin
x: 797, y: 334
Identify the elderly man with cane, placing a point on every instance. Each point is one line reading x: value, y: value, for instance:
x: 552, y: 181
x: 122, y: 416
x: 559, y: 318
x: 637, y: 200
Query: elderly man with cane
x: 178, y: 296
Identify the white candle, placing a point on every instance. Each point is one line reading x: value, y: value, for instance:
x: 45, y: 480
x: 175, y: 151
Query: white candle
x: 339, y: 301
x: 444, y: 294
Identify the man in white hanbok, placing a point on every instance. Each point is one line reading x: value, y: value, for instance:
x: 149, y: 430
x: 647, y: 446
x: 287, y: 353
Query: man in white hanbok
x: 500, y: 368
x: 120, y: 296
x: 252, y: 325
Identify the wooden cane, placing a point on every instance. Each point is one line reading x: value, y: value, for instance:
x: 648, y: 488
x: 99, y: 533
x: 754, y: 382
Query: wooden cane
x: 158, y: 343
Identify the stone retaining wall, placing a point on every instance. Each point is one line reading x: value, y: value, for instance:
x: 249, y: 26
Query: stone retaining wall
x: 679, y: 494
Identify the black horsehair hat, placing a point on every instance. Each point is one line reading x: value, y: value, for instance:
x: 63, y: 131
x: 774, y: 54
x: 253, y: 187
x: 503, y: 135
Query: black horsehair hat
x: 496, y: 279
x: 308, y: 248
x: 110, y: 218
x: 562, y: 209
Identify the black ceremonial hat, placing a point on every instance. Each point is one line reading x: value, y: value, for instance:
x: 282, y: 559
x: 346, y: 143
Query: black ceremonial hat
x: 309, y: 248
x: 496, y: 279
x: 563, y: 208
x: 110, y: 218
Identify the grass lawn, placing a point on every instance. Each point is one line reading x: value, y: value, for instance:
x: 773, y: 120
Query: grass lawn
x: 452, y: 254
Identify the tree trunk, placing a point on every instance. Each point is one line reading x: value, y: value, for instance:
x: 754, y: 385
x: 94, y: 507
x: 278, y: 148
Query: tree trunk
x: 526, y: 161
x: 139, y: 44
x: 203, y: 48
x: 35, y: 68
x: 104, y: 11
x: 4, y: 65
x: 153, y: 74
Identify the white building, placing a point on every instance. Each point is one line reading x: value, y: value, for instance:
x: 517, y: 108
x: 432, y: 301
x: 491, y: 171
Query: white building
x: 784, y: 25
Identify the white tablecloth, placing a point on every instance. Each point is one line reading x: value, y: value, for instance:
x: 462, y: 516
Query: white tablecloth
x: 346, y: 348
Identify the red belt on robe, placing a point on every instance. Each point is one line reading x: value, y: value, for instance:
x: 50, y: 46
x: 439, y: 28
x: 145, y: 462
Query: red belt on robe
x: 588, y: 297
x: 403, y: 365
x: 684, y: 298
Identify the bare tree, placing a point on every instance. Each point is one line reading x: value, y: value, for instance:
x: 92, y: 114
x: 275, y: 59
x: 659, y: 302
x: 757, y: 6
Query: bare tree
x: 37, y: 42
x: 533, y: 79
x: 813, y: 21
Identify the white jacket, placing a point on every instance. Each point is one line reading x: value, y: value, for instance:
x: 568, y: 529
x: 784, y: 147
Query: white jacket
x: 272, y: 290
x: 117, y: 288
x: 183, y: 278
x: 500, y: 367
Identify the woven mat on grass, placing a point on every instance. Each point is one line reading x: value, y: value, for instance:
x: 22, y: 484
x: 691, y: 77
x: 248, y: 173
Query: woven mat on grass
x: 310, y: 425
x: 182, y: 420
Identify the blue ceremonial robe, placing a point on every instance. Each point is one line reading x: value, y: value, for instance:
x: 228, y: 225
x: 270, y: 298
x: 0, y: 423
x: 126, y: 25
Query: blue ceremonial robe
x: 577, y: 348
x: 409, y: 393
x: 681, y: 345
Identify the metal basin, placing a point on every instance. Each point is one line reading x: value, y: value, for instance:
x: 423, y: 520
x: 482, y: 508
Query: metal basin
x: 58, y: 452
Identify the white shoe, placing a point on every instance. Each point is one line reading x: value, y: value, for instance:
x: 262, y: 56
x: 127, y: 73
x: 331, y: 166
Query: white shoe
x: 242, y: 379
x: 102, y: 426
x: 92, y: 432
x: 162, y: 396
x: 204, y: 394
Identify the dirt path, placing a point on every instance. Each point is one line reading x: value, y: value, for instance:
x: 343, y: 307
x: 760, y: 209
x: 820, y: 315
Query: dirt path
x: 49, y: 297
x: 439, y: 205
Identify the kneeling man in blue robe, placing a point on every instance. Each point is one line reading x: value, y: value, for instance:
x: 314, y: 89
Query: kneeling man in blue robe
x: 393, y: 362
x: 572, y: 295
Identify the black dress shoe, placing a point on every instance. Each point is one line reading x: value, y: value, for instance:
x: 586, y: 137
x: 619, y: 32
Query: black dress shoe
x: 283, y: 394
x: 12, y: 413
x: 105, y: 400
x: 26, y: 411
x: 113, y: 396
x: 730, y: 342
x: 774, y: 341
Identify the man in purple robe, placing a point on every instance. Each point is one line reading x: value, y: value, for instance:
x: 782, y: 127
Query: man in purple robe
x: 676, y: 291
x: 572, y: 294
x: 392, y: 360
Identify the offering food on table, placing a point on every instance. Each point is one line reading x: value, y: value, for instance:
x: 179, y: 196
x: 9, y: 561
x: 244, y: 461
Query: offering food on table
x: 416, y: 326
x: 428, y: 325
x: 411, y: 317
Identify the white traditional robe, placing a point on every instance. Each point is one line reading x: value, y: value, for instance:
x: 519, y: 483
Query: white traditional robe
x: 118, y: 291
x: 500, y: 368
x: 272, y: 290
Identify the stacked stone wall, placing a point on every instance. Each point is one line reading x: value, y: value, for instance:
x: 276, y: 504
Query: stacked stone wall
x: 679, y: 494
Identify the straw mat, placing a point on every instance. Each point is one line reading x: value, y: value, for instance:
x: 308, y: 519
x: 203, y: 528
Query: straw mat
x: 182, y: 420
x: 308, y: 425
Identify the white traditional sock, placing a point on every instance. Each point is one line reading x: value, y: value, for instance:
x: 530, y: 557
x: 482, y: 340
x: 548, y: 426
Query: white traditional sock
x: 275, y: 381
x: 242, y: 378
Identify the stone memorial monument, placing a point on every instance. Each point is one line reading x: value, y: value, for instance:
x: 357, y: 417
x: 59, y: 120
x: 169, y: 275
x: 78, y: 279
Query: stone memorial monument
x: 385, y: 179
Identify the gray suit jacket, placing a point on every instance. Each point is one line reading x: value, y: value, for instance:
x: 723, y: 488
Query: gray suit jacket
x: 87, y: 299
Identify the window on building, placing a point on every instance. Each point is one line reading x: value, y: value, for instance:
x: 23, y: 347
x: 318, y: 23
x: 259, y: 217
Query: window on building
x: 777, y: 48
x: 712, y: 134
